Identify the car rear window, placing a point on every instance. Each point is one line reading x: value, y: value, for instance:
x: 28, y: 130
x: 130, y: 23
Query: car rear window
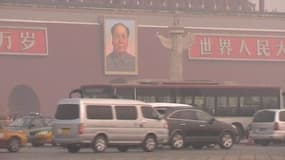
x: 67, y: 111
x: 264, y: 116
x: 149, y: 112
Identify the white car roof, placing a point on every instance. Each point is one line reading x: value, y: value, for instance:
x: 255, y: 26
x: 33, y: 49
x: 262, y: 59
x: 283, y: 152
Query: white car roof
x: 273, y: 110
x: 101, y: 101
x: 159, y: 104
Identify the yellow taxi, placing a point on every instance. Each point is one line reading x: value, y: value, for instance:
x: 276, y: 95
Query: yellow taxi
x: 38, y: 128
x: 11, y: 139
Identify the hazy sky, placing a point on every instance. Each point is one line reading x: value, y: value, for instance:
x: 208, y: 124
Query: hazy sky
x: 275, y: 4
x: 271, y: 5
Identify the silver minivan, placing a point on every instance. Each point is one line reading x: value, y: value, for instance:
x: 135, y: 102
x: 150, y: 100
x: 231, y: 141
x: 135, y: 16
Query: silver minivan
x: 100, y: 123
x: 268, y: 125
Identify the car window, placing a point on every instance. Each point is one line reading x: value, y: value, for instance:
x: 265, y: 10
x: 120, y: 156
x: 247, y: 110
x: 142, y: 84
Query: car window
x: 203, y: 116
x: 161, y: 110
x: 184, y: 114
x: 21, y: 122
x: 282, y: 116
x: 17, y: 123
x: 37, y: 123
x: 99, y: 112
x: 264, y: 116
x: 126, y: 112
x: 189, y: 114
x: 67, y: 111
x: 176, y: 115
x: 149, y: 112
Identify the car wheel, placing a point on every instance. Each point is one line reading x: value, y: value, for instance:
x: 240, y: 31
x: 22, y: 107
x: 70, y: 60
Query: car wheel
x: 14, y: 145
x: 149, y: 144
x: 53, y: 144
x: 226, y: 140
x: 99, y: 144
x: 264, y: 142
x: 239, y: 134
x: 197, y: 146
x: 73, y: 148
x: 177, y: 141
x: 123, y: 149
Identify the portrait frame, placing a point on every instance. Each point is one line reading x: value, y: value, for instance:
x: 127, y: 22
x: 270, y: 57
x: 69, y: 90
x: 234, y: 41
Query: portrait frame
x: 131, y: 24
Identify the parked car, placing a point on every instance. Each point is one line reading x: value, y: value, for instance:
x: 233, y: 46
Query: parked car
x: 268, y: 125
x: 197, y: 128
x: 100, y: 123
x: 38, y: 128
x: 11, y: 139
x: 162, y: 108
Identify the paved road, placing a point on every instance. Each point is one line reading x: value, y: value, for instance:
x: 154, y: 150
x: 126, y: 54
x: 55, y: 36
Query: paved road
x: 238, y: 152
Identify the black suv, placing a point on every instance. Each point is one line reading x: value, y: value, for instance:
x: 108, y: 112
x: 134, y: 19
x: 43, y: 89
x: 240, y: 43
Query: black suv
x: 197, y: 128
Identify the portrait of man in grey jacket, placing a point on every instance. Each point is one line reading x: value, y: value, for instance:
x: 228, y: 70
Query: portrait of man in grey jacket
x: 120, y: 60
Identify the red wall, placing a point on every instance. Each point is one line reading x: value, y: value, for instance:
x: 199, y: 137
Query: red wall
x: 75, y: 57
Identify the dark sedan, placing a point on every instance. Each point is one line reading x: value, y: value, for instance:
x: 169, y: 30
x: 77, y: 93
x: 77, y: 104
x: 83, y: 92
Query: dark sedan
x: 198, y: 129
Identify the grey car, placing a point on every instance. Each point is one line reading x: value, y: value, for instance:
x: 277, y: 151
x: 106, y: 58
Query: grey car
x: 196, y: 128
x: 268, y: 125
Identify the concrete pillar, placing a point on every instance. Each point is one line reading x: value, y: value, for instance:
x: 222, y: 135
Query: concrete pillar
x: 176, y: 57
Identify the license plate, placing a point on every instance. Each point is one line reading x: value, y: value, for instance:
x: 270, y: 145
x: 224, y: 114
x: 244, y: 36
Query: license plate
x: 260, y: 130
x: 65, y: 131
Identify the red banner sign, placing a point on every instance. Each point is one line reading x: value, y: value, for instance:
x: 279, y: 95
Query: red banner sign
x: 23, y: 41
x: 238, y: 47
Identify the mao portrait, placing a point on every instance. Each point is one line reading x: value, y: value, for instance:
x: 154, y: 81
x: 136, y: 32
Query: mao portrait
x: 120, y: 47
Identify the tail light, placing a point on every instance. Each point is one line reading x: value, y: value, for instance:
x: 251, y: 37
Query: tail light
x: 81, y: 128
x: 276, y: 126
x: 165, y: 125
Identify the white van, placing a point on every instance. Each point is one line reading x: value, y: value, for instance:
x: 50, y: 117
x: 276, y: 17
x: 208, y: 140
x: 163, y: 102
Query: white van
x: 99, y: 123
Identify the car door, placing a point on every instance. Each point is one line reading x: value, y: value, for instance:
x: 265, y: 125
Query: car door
x: 209, y: 128
x: 175, y: 123
x: 128, y: 127
x: 184, y: 120
x: 195, y: 128
x: 37, y: 125
x: 152, y: 122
